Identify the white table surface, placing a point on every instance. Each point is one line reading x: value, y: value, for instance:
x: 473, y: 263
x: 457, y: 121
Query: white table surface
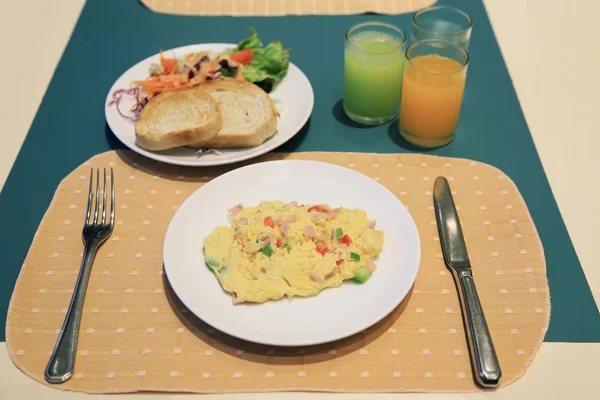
x: 556, y: 77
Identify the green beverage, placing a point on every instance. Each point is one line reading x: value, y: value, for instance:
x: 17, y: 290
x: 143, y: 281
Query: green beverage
x: 373, y: 69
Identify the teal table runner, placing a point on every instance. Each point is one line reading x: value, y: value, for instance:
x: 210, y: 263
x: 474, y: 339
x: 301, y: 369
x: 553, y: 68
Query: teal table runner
x: 112, y: 35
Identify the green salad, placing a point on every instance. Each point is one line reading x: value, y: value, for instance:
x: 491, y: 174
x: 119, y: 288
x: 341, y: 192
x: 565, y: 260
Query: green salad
x: 264, y: 66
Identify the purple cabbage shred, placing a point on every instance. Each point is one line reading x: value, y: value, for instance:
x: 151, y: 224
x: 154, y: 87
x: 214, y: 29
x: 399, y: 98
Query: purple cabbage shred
x: 133, y: 92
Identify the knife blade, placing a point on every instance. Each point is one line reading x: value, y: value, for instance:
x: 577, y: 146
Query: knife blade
x: 485, y: 363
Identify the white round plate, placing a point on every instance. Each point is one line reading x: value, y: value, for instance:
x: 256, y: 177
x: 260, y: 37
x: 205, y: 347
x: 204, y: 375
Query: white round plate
x: 294, y: 93
x: 334, y: 313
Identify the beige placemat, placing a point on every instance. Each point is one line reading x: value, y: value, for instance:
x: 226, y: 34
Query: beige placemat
x: 135, y: 335
x: 284, y: 7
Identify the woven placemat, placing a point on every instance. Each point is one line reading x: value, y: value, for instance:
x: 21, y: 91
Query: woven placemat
x: 284, y: 7
x: 136, y: 336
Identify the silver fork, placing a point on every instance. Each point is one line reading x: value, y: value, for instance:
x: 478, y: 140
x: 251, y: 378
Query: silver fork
x: 62, y: 361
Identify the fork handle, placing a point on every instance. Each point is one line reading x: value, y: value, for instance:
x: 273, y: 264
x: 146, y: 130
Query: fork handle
x: 62, y: 361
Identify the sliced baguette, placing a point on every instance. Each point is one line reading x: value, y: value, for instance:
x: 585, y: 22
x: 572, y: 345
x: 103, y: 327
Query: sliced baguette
x: 177, y: 118
x: 249, y: 115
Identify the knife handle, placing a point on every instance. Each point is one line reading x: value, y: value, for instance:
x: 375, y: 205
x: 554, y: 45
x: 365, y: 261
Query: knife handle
x: 481, y: 347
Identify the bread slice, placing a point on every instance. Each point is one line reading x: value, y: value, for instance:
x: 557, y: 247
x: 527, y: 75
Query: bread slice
x: 178, y: 118
x: 249, y: 115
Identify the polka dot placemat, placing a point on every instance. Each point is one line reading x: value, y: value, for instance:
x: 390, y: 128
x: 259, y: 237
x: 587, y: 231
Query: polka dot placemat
x: 136, y: 335
x: 284, y: 7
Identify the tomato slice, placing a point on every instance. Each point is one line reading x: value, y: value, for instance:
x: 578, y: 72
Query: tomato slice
x: 269, y: 222
x: 321, y: 248
x: 338, y: 262
x: 317, y: 208
x: 243, y: 57
x: 346, y: 240
x: 278, y: 243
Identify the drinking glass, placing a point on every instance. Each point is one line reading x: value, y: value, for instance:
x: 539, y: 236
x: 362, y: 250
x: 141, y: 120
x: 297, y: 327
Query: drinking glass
x: 432, y: 92
x: 373, y: 66
x: 443, y: 22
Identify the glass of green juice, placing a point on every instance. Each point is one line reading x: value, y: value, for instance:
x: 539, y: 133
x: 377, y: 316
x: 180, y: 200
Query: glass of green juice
x: 373, y: 69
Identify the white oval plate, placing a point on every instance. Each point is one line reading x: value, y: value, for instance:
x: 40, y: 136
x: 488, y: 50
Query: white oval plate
x: 334, y: 313
x: 294, y: 92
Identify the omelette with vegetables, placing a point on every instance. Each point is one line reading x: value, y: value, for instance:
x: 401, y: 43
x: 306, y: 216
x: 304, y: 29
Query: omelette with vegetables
x: 275, y: 249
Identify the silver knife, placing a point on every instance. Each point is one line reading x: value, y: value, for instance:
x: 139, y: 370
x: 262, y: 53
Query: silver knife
x: 483, y: 355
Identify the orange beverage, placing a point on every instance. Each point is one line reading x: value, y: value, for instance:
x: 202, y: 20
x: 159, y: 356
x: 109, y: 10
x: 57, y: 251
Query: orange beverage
x: 432, y: 93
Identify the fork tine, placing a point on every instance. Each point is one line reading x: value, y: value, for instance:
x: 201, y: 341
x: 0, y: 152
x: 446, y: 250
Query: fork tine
x: 97, y: 194
x: 112, y: 198
x: 89, y: 202
x: 104, y: 199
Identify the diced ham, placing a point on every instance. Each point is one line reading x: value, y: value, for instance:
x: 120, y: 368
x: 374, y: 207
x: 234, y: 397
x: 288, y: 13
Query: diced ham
x: 339, y: 257
x: 370, y: 264
x: 236, y: 209
x: 332, y: 272
x: 316, y: 277
x: 333, y: 214
x: 289, y: 205
x: 242, y: 221
x: 370, y: 225
x: 266, y: 241
x: 285, y: 228
x: 317, y: 216
x: 280, y: 220
x: 309, y: 231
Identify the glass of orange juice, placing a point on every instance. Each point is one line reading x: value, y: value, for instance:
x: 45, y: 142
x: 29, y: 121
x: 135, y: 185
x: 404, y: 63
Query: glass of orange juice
x: 432, y: 90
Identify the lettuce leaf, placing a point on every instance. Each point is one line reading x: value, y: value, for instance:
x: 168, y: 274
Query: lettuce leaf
x: 254, y: 74
x: 273, y: 59
x: 252, y: 42
x: 269, y: 62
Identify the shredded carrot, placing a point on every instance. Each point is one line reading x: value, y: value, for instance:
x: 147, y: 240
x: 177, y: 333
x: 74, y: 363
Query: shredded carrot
x: 158, y: 84
x: 171, y: 80
x: 163, y: 80
x: 169, y: 64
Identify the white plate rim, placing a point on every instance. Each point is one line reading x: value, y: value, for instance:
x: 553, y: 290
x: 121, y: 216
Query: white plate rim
x: 200, y: 162
x: 374, y: 320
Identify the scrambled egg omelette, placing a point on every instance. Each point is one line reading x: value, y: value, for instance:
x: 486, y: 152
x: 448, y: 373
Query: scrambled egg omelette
x: 276, y: 249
